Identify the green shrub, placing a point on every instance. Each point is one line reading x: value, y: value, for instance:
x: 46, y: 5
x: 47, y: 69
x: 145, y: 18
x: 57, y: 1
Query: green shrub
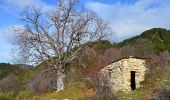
x: 8, y: 96
x: 102, y: 45
x: 102, y: 97
x: 23, y: 95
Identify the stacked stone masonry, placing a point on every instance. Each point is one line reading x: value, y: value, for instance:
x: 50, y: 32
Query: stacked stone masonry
x: 119, y: 73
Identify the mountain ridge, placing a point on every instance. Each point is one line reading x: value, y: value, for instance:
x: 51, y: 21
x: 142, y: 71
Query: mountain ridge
x: 159, y: 38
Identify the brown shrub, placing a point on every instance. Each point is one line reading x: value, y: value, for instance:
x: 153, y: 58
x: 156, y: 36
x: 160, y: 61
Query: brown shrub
x: 94, y: 61
x: 164, y: 57
x: 10, y: 84
x: 127, y: 51
x: 102, y: 87
x: 41, y: 82
x: 162, y: 94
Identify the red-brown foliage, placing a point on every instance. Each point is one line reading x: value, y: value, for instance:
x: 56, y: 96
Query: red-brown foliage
x: 10, y: 84
x: 96, y: 61
x: 164, y: 57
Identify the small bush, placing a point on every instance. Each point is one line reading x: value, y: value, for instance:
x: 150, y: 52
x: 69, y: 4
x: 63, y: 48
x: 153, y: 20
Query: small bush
x: 101, y: 84
x: 163, y: 94
x: 23, y: 95
x: 103, y: 97
x: 10, y: 83
x: 8, y: 96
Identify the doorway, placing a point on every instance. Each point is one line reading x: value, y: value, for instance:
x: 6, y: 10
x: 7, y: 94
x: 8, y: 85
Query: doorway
x: 133, y: 81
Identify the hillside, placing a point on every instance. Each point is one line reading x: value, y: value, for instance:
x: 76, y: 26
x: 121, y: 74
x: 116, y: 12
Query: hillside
x: 153, y: 43
x: 6, y: 69
x: 159, y: 38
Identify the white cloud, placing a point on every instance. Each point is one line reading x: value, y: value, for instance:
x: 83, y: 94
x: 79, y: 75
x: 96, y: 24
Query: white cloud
x: 128, y: 20
x: 6, y: 34
x: 17, y: 5
x: 7, y: 43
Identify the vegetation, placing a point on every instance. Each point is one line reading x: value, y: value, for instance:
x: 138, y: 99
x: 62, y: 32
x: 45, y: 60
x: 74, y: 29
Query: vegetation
x: 6, y: 69
x: 158, y: 37
x: 152, y: 43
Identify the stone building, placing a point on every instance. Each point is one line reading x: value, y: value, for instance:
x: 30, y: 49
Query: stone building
x: 125, y: 74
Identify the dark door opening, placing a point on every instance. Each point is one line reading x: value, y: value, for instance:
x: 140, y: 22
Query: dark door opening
x: 133, y: 82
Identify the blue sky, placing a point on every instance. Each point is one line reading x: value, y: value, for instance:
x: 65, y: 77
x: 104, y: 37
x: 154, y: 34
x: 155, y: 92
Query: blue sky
x: 127, y: 18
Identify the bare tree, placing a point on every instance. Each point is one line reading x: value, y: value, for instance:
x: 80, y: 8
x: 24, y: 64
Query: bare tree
x: 56, y: 38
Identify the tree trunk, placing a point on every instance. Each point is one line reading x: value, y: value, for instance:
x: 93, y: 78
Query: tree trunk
x: 60, y: 81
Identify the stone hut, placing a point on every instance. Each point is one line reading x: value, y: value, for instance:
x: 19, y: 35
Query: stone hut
x: 125, y: 74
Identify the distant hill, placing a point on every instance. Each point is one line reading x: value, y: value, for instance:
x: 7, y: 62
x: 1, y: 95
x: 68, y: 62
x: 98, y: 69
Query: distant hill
x: 159, y: 38
x: 23, y: 66
x: 6, y: 69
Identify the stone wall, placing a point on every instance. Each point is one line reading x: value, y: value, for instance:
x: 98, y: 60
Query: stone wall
x: 119, y: 73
